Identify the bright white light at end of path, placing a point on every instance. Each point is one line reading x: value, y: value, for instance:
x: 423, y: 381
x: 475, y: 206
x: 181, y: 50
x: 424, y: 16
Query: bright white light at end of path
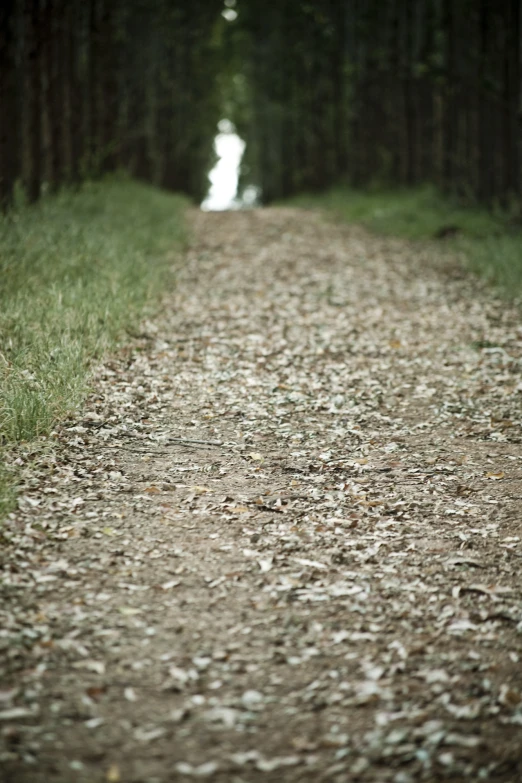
x: 225, y: 174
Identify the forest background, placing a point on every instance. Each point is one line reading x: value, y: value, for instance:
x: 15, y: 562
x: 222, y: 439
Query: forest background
x: 398, y: 93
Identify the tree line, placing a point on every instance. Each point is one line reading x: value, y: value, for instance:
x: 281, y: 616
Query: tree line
x: 89, y: 86
x: 396, y: 92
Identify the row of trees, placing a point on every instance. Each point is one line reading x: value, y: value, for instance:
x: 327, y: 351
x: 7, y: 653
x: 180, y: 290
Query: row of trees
x: 391, y: 91
x: 88, y: 86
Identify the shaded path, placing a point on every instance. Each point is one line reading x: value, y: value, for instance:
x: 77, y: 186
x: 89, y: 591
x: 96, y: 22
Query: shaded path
x: 282, y: 542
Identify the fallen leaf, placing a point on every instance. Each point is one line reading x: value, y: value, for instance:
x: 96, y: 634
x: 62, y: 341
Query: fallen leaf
x: 98, y: 667
x: 147, y: 735
x: 113, y: 774
x: 205, y: 770
x: 170, y: 584
x: 8, y: 695
x: 508, y: 696
x: 312, y: 563
x: 96, y: 692
x: 15, y: 713
x: 270, y: 765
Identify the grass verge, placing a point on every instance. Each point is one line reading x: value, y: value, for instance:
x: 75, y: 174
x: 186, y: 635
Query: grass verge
x: 489, y: 242
x: 76, y: 270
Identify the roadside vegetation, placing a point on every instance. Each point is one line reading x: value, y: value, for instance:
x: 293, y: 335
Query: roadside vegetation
x: 76, y: 271
x: 490, y: 241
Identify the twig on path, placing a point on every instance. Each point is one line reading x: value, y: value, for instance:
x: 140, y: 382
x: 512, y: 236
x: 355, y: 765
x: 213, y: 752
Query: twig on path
x: 196, y: 441
x: 145, y: 451
x: 188, y: 441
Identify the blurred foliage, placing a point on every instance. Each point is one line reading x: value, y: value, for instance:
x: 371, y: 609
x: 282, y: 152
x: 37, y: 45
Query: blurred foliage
x: 397, y: 93
x: 93, y: 86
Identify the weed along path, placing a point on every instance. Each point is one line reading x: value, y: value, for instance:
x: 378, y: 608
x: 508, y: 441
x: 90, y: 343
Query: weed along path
x: 282, y: 540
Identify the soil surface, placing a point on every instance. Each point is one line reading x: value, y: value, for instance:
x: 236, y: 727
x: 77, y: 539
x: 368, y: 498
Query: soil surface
x: 282, y: 541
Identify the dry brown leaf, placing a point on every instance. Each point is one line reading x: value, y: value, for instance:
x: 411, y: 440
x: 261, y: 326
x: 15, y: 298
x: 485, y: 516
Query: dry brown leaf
x: 113, y: 774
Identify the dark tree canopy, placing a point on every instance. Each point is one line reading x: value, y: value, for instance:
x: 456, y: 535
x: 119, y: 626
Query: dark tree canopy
x: 399, y: 92
x: 396, y: 92
x: 88, y: 86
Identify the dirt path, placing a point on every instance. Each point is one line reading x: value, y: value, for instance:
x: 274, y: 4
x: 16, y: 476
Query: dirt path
x: 283, y: 540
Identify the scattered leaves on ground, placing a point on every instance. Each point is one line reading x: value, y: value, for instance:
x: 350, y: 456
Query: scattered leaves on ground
x: 282, y: 540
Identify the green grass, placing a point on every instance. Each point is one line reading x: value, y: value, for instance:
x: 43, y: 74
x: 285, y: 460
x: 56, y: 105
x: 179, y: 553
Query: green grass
x: 488, y: 240
x: 76, y: 271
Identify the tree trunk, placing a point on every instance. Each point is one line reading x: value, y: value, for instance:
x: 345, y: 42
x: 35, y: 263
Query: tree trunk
x: 53, y: 46
x: 9, y: 118
x: 485, y: 161
x: 74, y: 36
x: 109, y: 52
x: 512, y: 94
x: 33, y: 94
x: 93, y: 89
